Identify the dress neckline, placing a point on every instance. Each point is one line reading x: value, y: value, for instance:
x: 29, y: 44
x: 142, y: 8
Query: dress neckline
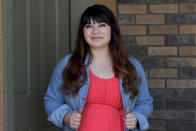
x: 100, y: 77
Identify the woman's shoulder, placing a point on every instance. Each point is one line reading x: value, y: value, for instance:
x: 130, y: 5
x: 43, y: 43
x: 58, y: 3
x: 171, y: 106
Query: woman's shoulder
x: 133, y: 60
x: 137, y: 64
x: 65, y: 58
x: 63, y: 62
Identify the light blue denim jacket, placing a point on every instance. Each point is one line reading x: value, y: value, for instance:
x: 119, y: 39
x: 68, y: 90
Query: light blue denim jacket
x: 57, y: 104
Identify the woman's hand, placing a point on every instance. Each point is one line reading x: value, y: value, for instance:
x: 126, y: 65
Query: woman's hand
x: 130, y: 120
x: 73, y: 119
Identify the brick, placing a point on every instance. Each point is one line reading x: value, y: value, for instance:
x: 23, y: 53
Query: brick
x: 136, y: 51
x: 173, y: 0
x: 150, y: 40
x: 181, y: 62
x: 162, y: 51
x: 133, y: 30
x: 157, y: 94
x: 186, y: 0
x: 187, y: 73
x: 187, y: 29
x: 1, y: 116
x: 188, y: 8
x: 181, y: 104
x: 165, y: 115
x: 146, y: 73
x: 163, y: 8
x: 1, y: 49
x: 179, y: 83
x: 163, y: 73
x: 126, y: 19
x: 129, y: 40
x: 157, y: 1
x: 150, y: 19
x: 180, y: 18
x: 181, y: 126
x: 156, y: 83
x: 1, y: 83
x: 188, y: 115
x: 149, y: 62
x: 172, y: 93
x: 187, y: 51
x: 132, y: 1
x: 159, y: 104
x: 180, y: 40
x: 151, y: 1
x: 158, y: 124
x: 131, y: 9
x: 163, y: 29
x: 1, y: 62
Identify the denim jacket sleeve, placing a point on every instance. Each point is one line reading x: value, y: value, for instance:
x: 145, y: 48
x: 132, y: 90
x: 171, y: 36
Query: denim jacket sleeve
x: 143, y: 106
x: 54, y: 102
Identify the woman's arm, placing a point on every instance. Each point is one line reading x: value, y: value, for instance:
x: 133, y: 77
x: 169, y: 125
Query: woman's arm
x: 54, y: 102
x: 143, y: 106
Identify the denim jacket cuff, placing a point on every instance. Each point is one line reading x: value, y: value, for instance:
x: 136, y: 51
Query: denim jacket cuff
x: 143, y: 122
x: 57, y: 116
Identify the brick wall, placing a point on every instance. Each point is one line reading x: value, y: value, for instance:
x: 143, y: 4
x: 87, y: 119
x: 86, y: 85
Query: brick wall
x: 162, y: 35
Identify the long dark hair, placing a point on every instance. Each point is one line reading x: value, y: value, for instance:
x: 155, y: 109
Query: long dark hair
x: 122, y: 67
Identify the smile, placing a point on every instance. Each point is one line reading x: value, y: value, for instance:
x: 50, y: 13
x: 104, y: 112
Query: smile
x: 96, y: 38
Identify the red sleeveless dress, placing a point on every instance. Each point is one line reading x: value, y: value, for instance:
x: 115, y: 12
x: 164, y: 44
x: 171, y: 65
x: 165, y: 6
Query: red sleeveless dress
x: 103, y: 110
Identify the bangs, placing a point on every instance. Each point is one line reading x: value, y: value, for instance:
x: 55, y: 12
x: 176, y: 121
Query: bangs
x: 96, y: 15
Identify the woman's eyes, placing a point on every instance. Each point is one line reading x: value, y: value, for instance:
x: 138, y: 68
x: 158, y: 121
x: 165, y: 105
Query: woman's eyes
x: 100, y: 25
x: 103, y: 25
x: 88, y: 26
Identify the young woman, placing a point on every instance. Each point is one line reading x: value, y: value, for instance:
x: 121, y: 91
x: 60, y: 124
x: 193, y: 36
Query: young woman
x: 98, y: 88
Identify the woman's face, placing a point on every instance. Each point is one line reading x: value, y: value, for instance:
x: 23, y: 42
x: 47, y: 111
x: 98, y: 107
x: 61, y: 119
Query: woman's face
x: 97, y: 34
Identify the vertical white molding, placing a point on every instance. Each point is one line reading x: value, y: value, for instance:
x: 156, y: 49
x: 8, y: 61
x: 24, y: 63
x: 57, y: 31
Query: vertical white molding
x: 57, y: 30
x: 42, y: 44
x: 28, y: 30
x: 84, y: 4
x: 27, y: 89
x: 7, y: 17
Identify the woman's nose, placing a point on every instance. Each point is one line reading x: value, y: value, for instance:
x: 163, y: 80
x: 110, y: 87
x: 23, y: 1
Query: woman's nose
x: 95, y: 29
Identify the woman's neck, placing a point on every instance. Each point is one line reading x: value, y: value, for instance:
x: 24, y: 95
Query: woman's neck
x: 102, y: 63
x: 101, y: 54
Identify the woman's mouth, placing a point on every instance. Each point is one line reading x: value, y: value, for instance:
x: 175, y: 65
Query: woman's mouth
x: 96, y: 38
